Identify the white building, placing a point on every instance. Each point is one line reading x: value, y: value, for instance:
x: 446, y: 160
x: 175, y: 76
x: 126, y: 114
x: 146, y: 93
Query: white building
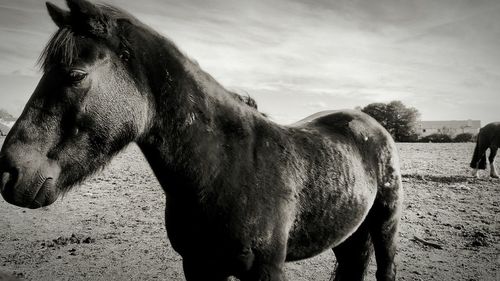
x: 451, y: 127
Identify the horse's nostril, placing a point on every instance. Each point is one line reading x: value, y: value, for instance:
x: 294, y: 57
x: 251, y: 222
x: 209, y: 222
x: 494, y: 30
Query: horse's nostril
x: 5, y: 179
x: 8, y: 181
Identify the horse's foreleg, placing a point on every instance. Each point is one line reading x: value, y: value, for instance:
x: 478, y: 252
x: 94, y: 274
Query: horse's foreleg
x: 384, y: 220
x: 353, y: 256
x: 265, y: 272
x: 491, y: 158
x: 268, y: 265
x: 269, y: 258
x: 479, y: 157
x: 199, y: 270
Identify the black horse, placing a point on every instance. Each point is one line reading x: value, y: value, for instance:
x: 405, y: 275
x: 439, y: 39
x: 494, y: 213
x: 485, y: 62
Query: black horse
x: 243, y: 194
x: 488, y: 137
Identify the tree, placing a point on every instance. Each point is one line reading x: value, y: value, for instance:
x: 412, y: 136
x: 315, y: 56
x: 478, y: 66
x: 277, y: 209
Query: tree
x: 400, y: 121
x: 6, y: 115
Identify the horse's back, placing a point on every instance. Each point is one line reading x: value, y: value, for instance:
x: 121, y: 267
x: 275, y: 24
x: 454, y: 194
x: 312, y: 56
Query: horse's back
x: 491, y: 133
x: 349, y: 123
x: 374, y: 143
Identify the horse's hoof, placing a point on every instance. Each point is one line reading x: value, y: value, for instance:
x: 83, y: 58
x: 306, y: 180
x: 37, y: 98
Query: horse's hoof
x: 493, y: 173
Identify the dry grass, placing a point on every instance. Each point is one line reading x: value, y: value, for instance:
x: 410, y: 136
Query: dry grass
x: 119, y: 214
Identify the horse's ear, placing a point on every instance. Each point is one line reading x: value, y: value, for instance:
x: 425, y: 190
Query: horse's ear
x: 83, y: 7
x: 88, y: 17
x: 58, y: 15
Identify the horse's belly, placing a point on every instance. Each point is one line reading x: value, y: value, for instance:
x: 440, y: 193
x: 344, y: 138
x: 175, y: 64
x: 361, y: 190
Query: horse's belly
x: 326, y: 221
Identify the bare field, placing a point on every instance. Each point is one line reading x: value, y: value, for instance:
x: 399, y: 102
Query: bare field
x: 111, y: 227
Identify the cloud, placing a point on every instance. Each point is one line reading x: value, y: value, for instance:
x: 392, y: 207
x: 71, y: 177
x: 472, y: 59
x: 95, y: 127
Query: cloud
x: 439, y: 56
x: 318, y: 105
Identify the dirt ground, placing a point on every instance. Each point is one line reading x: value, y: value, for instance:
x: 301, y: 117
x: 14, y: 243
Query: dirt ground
x: 111, y: 228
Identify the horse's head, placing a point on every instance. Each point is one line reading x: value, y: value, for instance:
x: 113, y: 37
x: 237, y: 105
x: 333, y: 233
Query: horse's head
x: 86, y: 107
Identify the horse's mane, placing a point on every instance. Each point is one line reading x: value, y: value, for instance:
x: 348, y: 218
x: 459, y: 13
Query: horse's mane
x: 244, y: 99
x: 63, y: 47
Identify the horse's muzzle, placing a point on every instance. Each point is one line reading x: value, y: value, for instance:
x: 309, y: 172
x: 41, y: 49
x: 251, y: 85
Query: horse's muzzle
x: 28, y: 182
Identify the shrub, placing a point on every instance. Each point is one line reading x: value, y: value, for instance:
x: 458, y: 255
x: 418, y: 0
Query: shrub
x: 413, y: 137
x: 464, y: 137
x: 436, y: 138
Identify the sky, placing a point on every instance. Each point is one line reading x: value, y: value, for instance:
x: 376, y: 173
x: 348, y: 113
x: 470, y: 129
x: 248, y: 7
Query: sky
x: 298, y: 57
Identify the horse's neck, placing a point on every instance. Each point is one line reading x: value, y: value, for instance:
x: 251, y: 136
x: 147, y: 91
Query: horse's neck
x: 185, y: 145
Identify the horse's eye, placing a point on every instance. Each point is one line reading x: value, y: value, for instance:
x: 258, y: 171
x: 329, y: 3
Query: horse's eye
x: 77, y: 75
x: 75, y: 131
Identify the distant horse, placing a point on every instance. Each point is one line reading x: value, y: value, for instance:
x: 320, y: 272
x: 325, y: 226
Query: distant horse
x: 488, y: 137
x: 243, y: 194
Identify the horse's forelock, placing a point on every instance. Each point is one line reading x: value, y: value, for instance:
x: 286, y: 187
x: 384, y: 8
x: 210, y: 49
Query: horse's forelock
x: 62, y: 48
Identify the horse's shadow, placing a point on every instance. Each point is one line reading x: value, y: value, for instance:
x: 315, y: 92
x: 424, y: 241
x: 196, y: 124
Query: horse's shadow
x: 449, y: 179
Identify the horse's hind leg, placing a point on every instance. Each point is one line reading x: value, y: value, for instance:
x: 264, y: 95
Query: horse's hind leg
x: 491, y: 158
x: 383, y: 222
x: 353, y: 256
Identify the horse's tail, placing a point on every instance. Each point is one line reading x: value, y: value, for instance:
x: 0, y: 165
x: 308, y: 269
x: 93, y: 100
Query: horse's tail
x: 479, y: 156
